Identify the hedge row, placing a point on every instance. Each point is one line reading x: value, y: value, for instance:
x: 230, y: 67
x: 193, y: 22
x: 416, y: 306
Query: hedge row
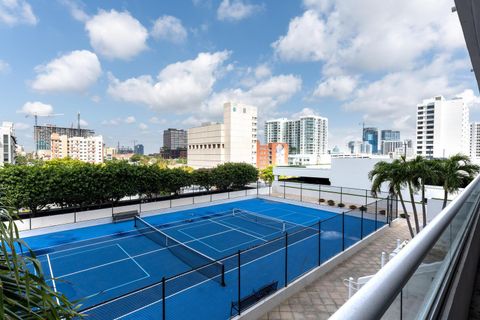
x: 67, y: 183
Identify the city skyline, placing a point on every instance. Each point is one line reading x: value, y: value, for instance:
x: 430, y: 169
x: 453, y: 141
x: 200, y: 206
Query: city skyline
x: 221, y: 51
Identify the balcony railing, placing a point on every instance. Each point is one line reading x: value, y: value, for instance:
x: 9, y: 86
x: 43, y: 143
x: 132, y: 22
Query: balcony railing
x: 418, y: 283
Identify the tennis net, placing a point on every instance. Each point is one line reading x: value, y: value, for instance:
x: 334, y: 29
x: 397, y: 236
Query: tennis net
x: 271, y: 222
x: 206, y: 265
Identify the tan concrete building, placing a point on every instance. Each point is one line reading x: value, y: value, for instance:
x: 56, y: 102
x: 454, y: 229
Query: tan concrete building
x: 88, y: 149
x: 233, y: 141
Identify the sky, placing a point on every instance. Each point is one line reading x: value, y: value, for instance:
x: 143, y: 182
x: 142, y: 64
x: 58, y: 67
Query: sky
x: 135, y: 68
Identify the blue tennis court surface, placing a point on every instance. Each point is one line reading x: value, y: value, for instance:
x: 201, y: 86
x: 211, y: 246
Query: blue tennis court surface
x: 116, y: 270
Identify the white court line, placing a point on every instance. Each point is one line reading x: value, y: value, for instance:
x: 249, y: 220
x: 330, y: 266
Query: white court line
x: 205, y: 244
x: 52, y: 278
x: 195, y: 285
x: 128, y: 255
x: 52, y: 257
x: 248, y: 234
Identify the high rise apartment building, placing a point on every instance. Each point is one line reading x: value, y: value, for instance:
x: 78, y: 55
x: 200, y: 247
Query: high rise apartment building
x: 234, y: 140
x: 88, y: 149
x: 7, y: 143
x: 442, y: 128
x: 305, y: 136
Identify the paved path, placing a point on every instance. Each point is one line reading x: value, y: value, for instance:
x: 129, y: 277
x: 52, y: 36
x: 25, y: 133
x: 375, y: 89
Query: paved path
x: 323, y: 297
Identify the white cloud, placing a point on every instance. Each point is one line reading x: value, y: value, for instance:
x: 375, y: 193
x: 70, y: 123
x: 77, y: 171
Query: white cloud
x: 318, y: 5
x: 194, y: 121
x: 339, y: 87
x: 156, y: 120
x: 392, y: 99
x: 130, y: 120
x: 265, y: 95
x: 21, y: 126
x: 143, y: 126
x: 76, y: 10
x: 179, y: 87
x: 116, y: 34
x: 305, y: 112
x: 14, y: 12
x: 36, y: 108
x: 75, y: 71
x: 117, y: 121
x: 235, y: 10
x: 348, y: 33
x: 262, y: 71
x: 472, y: 100
x: 96, y: 98
x: 4, y: 66
x: 307, y: 39
x: 169, y: 28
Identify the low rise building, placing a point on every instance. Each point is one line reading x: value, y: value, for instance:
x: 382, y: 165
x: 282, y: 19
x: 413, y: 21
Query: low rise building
x: 274, y: 153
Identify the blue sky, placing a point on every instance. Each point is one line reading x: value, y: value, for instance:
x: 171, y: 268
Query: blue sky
x: 135, y: 68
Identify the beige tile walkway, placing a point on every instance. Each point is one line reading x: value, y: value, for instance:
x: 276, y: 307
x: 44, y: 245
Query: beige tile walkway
x: 322, y: 298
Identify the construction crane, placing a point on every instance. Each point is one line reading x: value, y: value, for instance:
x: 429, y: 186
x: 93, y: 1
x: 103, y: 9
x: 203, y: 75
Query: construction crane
x: 35, y: 115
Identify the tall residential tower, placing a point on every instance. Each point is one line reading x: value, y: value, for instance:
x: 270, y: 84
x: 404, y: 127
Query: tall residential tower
x: 442, y: 128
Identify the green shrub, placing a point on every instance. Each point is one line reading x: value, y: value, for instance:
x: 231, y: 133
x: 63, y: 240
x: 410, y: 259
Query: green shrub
x: 331, y: 202
x: 321, y: 200
x: 341, y: 205
x: 353, y: 207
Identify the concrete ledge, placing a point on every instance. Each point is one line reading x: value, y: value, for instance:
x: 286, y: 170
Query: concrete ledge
x: 261, y: 308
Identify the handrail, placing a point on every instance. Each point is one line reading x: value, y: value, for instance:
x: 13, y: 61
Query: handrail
x: 376, y: 296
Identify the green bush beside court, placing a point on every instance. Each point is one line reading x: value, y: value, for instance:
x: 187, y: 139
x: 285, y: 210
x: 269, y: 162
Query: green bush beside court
x: 68, y: 183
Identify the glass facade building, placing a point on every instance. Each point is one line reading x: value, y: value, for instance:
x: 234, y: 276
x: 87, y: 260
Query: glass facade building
x: 370, y: 135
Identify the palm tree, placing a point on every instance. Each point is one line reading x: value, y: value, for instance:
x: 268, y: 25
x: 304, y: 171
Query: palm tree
x: 394, y: 174
x: 413, y: 185
x: 423, y: 172
x: 454, y: 173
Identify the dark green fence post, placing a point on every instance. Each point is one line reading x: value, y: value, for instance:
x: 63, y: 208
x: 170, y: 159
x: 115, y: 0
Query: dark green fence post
x: 343, y: 231
x: 286, y: 259
x: 341, y: 194
x: 164, y: 316
x: 376, y: 202
x: 319, y: 243
x: 361, y: 224
x: 283, y: 189
x: 239, y: 282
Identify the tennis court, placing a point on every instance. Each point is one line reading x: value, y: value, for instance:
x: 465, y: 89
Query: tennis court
x: 185, y: 264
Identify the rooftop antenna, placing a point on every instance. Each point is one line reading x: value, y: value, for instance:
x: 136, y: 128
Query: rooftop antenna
x: 78, y: 120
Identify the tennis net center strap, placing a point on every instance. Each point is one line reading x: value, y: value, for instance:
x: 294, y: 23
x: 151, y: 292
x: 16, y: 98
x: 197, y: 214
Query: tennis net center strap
x: 198, y: 261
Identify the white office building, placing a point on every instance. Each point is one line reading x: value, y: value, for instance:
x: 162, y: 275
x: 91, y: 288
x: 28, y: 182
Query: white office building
x: 234, y: 140
x: 307, y: 137
x: 89, y: 149
x: 7, y: 143
x: 442, y: 128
